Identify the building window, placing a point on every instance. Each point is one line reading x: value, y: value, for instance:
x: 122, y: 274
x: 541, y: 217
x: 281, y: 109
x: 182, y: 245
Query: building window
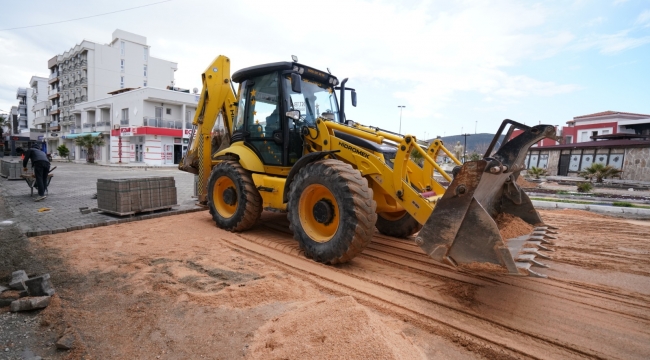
x: 122, y: 48
x: 169, y: 111
x: 145, y: 70
x: 122, y: 64
x: 121, y: 82
x: 568, y: 139
x: 146, y: 54
x: 125, y: 117
x: 144, y: 83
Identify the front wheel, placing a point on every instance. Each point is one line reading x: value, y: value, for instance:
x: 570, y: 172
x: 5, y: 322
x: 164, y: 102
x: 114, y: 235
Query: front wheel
x: 233, y: 200
x: 331, y: 211
x: 398, y: 224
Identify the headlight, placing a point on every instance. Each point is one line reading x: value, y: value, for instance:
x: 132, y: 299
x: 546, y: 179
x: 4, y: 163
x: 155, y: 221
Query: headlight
x: 335, y: 82
x: 302, y: 70
x: 295, y: 68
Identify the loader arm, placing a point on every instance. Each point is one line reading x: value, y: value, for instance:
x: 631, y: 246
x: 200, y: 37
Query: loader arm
x: 459, y: 221
x: 217, y: 106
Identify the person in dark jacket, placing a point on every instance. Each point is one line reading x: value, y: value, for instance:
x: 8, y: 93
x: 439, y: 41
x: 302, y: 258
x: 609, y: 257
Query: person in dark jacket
x: 41, y: 166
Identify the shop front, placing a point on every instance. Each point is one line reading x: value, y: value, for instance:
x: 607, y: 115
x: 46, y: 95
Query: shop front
x: 146, y: 145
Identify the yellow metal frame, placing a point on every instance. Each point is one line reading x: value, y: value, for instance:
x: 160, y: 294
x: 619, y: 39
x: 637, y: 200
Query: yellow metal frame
x: 393, y: 189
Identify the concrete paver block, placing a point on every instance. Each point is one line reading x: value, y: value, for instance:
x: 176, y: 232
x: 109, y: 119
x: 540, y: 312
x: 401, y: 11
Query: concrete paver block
x: 40, y: 286
x: 18, y: 280
x: 30, y: 303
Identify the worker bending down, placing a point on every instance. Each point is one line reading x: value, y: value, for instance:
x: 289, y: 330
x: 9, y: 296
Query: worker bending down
x: 41, y: 166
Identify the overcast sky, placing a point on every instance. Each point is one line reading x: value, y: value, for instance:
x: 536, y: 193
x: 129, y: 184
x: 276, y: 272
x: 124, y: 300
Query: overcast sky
x: 454, y: 65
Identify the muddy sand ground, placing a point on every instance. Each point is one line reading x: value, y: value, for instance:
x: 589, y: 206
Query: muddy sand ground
x: 180, y: 288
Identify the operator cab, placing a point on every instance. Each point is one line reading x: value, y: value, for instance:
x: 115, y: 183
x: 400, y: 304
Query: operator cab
x: 276, y: 101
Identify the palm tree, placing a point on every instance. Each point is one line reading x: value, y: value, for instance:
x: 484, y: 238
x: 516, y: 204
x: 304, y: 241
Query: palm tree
x: 536, y: 172
x: 600, y: 172
x: 89, y: 142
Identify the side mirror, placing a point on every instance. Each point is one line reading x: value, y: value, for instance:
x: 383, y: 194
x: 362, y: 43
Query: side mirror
x: 354, y: 98
x: 296, y: 83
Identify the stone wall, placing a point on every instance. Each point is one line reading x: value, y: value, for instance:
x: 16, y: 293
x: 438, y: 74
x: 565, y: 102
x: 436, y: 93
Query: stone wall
x: 636, y: 165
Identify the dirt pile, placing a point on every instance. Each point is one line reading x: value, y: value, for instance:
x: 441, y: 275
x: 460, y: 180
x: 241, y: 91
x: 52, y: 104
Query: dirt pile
x: 525, y: 183
x: 511, y: 226
x: 327, y: 329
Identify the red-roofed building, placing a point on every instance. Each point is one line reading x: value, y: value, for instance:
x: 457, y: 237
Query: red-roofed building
x: 619, y: 139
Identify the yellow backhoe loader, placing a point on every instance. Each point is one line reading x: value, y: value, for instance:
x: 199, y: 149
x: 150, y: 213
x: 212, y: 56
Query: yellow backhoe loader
x: 282, y: 143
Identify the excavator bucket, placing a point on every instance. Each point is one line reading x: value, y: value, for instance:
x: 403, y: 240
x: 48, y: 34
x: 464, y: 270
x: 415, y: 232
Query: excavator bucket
x: 462, y: 230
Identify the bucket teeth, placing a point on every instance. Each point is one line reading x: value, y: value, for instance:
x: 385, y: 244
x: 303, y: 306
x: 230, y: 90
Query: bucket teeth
x: 534, y: 251
x: 532, y: 273
x: 540, y: 238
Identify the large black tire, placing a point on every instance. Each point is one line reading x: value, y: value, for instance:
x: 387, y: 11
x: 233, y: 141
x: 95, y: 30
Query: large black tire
x: 234, y: 202
x: 400, y: 225
x: 335, y: 227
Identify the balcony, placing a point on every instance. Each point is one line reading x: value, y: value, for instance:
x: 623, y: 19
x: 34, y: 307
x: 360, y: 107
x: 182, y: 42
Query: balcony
x: 124, y: 122
x: 84, y: 81
x: 52, y: 93
x: 22, y: 92
x: 162, y: 123
x: 41, y: 120
x: 54, y: 108
x: 100, y: 124
x: 84, y: 98
x: 54, y: 77
x: 35, y: 95
x: 84, y: 64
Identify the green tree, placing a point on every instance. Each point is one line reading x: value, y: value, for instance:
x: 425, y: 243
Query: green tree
x: 600, y: 172
x: 417, y: 157
x: 536, y: 172
x: 63, y: 151
x: 474, y: 156
x: 89, y: 142
x: 4, y: 123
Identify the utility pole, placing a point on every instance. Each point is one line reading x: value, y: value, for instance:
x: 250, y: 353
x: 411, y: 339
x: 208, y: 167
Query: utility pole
x: 465, y: 146
x: 401, y: 107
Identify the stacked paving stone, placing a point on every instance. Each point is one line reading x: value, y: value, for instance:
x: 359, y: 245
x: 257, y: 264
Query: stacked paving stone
x: 11, y: 169
x: 130, y: 196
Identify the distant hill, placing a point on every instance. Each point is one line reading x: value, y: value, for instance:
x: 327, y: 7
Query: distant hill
x: 475, y: 142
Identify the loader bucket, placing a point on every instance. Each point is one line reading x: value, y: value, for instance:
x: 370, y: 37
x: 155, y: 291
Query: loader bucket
x: 462, y: 230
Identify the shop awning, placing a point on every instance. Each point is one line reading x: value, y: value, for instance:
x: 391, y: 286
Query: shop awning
x: 72, y: 136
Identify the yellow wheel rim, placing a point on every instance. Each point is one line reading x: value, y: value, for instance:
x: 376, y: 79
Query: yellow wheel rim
x: 393, y: 216
x: 319, y: 213
x: 224, y: 197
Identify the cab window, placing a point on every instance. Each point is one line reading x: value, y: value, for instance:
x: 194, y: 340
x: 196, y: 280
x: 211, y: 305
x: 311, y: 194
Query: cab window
x: 263, y: 117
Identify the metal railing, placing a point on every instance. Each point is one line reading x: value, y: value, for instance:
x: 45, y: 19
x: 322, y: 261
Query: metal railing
x: 54, y: 74
x: 87, y: 125
x: 54, y: 108
x: 162, y: 123
x: 124, y: 122
x: 102, y: 123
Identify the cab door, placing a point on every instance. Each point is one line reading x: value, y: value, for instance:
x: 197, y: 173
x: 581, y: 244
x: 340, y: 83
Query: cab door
x: 262, y: 125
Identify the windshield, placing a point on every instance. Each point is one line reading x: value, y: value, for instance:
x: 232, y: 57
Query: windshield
x: 316, y: 100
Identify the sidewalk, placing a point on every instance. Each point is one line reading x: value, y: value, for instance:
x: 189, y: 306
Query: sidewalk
x: 72, y: 187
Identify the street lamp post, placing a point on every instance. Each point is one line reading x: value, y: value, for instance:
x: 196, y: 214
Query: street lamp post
x: 401, y: 107
x: 465, y: 146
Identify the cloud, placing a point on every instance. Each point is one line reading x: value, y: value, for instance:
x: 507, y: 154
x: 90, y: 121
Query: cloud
x: 619, y: 2
x: 613, y: 43
x: 595, y: 21
x: 643, y: 18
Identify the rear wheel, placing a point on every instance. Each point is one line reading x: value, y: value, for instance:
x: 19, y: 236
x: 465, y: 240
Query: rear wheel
x: 234, y: 202
x: 331, y: 211
x: 398, y: 224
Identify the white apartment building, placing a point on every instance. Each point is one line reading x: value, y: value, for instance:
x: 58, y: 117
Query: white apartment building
x: 147, y: 126
x: 41, y: 107
x: 90, y: 71
x: 25, y: 117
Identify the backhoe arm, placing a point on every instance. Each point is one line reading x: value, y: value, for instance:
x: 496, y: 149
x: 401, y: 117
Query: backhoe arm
x: 214, y: 118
